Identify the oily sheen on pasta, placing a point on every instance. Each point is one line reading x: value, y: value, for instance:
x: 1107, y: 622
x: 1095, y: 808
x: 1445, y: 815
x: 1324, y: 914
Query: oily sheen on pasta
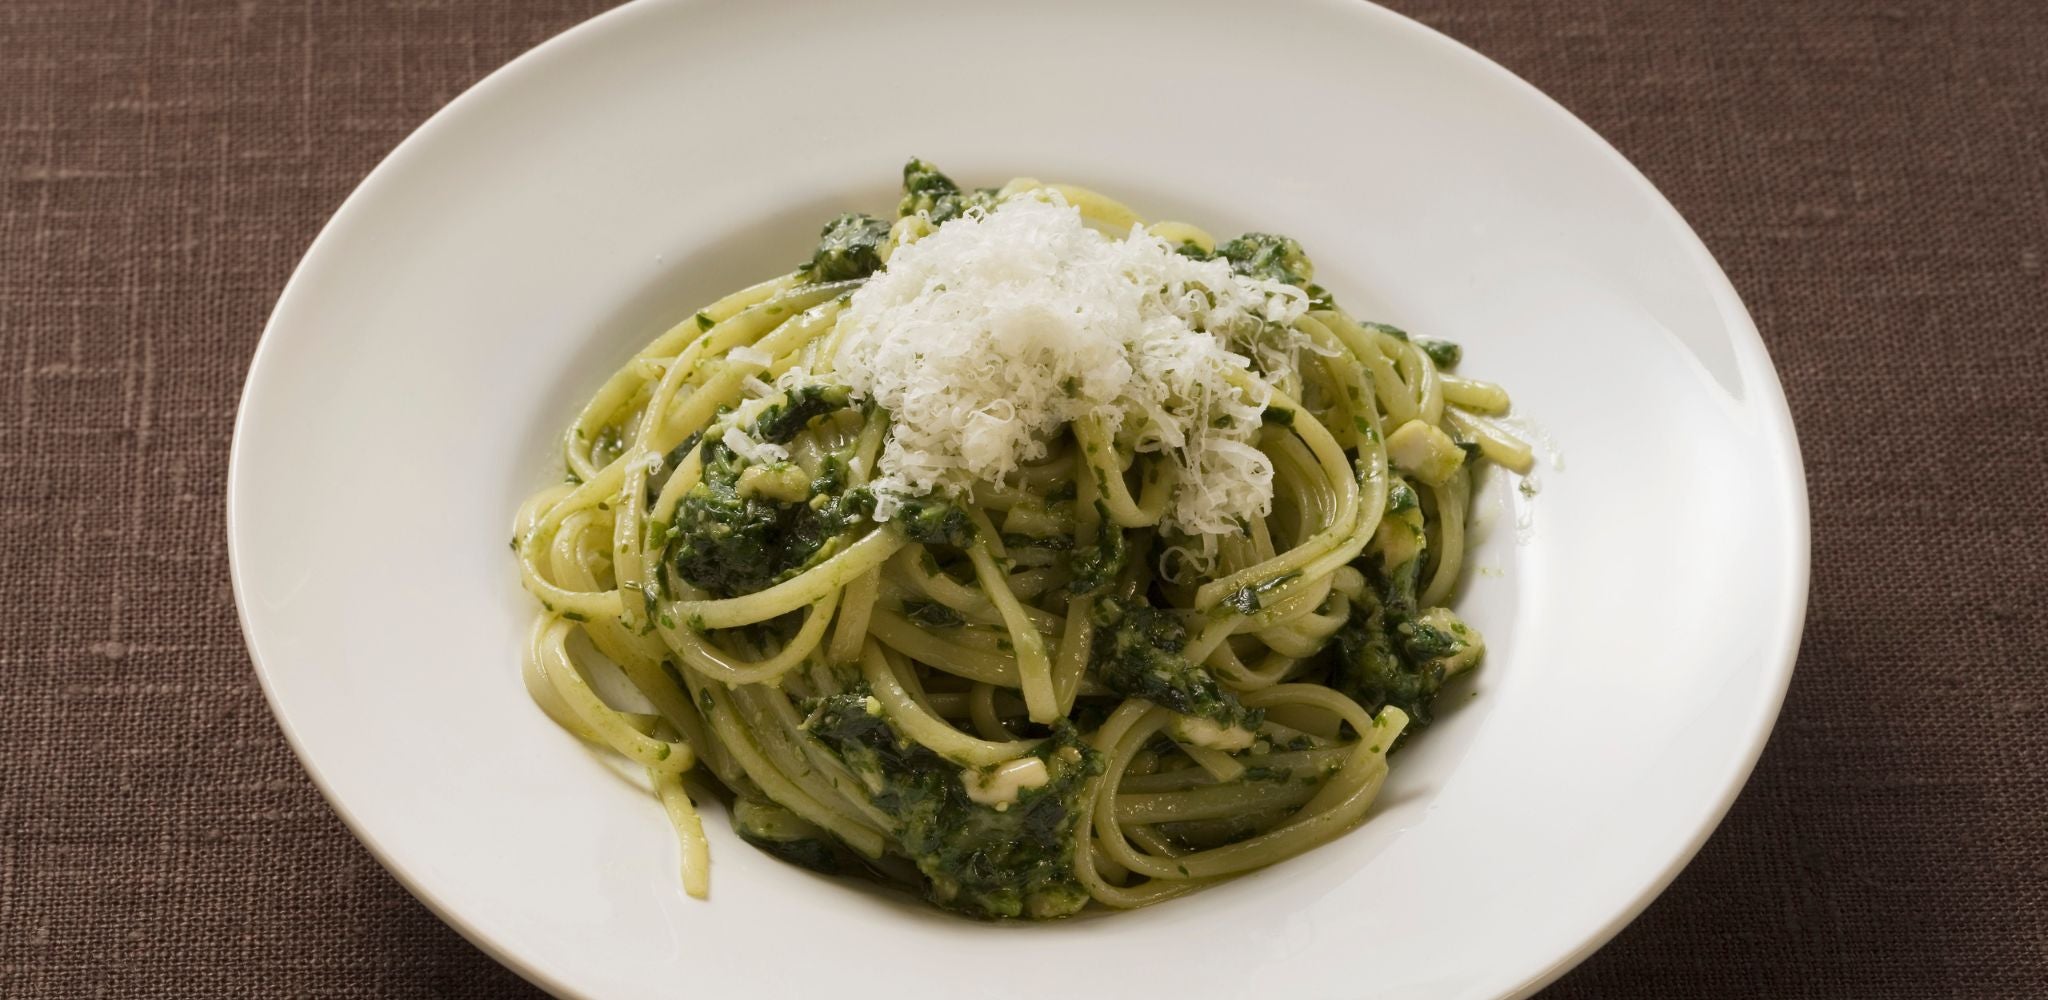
x: 1016, y: 551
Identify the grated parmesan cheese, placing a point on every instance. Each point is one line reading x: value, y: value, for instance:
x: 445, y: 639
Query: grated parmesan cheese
x: 757, y: 452
x: 986, y: 337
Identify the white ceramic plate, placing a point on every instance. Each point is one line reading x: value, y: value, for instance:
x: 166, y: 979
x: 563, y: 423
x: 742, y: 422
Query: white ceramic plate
x: 1643, y: 608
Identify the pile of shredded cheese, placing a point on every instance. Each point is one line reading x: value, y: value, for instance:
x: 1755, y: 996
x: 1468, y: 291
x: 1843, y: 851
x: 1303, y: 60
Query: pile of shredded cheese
x: 986, y: 337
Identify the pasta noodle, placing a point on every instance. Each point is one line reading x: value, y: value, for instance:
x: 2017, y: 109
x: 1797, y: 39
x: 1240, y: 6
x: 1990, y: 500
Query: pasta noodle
x: 1088, y: 644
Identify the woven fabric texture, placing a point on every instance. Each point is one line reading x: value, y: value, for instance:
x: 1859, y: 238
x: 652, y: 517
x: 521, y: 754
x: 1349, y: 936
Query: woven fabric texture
x: 1873, y: 176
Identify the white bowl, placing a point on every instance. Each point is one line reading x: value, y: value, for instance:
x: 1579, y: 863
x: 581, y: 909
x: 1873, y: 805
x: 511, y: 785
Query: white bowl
x: 1643, y: 608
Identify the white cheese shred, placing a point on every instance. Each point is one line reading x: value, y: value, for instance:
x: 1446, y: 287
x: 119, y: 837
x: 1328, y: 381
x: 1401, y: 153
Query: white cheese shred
x: 757, y: 452
x: 988, y: 336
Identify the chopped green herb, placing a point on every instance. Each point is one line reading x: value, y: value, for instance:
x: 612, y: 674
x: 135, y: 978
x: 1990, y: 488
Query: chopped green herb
x: 733, y: 541
x: 1401, y: 496
x: 785, y: 420
x: 935, y: 522
x: 849, y: 247
x: 1137, y: 653
x: 1443, y: 352
x: 927, y: 190
x: 988, y: 862
x: 1096, y: 564
x: 1057, y: 543
x: 1263, y: 255
x: 932, y: 615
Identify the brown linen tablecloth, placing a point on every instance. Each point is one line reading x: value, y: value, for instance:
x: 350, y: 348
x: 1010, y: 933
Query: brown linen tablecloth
x: 1872, y: 176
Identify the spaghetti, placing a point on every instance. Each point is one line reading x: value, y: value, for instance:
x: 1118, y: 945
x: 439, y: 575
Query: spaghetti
x: 1015, y: 551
